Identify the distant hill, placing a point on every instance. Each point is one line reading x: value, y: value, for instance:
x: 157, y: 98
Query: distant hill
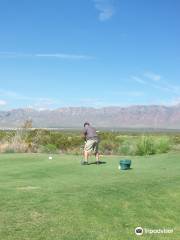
x: 153, y: 116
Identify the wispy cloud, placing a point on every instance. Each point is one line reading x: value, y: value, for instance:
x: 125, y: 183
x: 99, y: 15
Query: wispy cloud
x: 138, y: 79
x: 156, y: 81
x: 153, y: 76
x: 106, y: 9
x: 43, y: 103
x: 63, y: 56
x: 3, y: 102
x: 175, y: 101
x: 147, y: 77
x: 39, y: 103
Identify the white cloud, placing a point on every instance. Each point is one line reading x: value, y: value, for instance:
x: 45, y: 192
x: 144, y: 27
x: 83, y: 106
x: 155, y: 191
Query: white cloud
x: 171, y: 102
x: 106, y: 9
x: 147, y: 78
x: 30, y: 102
x: 3, y: 103
x: 175, y: 101
x: 63, y: 56
x: 156, y: 81
x: 171, y: 87
x: 153, y: 76
x: 43, y: 103
x: 138, y: 79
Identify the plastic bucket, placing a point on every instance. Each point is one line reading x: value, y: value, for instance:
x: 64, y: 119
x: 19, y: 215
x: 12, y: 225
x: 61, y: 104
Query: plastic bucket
x: 125, y: 164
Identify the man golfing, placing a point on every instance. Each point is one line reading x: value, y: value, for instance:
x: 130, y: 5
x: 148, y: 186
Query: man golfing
x: 91, y: 143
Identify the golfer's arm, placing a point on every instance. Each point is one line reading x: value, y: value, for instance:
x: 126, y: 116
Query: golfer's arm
x: 84, y: 136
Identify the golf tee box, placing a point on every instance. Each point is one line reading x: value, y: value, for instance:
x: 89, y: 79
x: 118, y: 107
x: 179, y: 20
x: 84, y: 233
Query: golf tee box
x: 124, y: 164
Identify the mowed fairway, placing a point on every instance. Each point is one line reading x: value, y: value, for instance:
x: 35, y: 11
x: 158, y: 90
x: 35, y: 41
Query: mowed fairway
x: 42, y: 199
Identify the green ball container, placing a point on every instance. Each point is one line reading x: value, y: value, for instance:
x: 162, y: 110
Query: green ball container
x: 125, y: 164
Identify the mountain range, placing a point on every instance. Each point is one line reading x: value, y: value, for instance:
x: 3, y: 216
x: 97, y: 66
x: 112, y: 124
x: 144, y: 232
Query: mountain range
x: 138, y: 116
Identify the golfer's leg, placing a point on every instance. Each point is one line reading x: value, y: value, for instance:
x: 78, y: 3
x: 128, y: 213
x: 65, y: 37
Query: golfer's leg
x: 96, y: 151
x: 86, y: 155
x: 97, y: 157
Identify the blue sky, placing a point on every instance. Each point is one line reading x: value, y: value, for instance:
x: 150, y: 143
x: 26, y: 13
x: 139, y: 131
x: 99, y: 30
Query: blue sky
x: 56, y: 53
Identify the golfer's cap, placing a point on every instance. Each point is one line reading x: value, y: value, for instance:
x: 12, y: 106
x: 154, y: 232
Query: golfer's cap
x: 86, y: 123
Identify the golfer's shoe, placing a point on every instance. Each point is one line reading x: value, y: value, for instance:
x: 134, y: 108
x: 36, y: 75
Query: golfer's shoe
x: 84, y: 163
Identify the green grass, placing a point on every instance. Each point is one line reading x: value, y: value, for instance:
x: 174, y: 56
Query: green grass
x: 42, y: 199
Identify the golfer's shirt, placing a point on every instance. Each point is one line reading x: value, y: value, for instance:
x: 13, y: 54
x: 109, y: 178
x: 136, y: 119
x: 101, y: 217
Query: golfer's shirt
x: 90, y: 133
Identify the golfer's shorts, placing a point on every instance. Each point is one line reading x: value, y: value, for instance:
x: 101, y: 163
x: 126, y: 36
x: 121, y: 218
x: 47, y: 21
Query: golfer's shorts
x: 91, y: 145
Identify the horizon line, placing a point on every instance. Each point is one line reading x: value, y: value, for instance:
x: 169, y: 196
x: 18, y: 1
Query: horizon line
x: 92, y: 107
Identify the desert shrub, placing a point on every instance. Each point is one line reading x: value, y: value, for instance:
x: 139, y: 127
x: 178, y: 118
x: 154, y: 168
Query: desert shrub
x: 145, y: 146
x: 3, y: 134
x: 125, y: 138
x: 16, y: 143
x: 49, y: 148
x: 38, y: 137
x: 176, y: 139
x: 75, y: 151
x: 128, y: 148
x: 14, y: 147
x: 38, y: 140
x: 7, y: 136
x: 148, y: 145
x: 20, y: 147
x: 108, y: 147
x: 162, y: 144
x: 9, y: 150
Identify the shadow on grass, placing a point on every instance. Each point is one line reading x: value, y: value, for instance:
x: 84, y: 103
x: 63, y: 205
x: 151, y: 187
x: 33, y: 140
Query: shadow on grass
x: 126, y: 169
x: 100, y: 162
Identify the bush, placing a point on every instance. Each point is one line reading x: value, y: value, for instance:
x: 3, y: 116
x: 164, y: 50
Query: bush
x: 145, y: 146
x: 70, y: 142
x: 14, y: 147
x: 49, y: 148
x: 176, y: 139
x: 148, y: 145
x: 9, y: 150
x: 108, y: 147
x: 128, y: 148
x: 162, y: 144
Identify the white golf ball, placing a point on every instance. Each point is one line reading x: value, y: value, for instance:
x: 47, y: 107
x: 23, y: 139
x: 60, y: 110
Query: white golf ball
x: 50, y: 158
x: 119, y: 167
